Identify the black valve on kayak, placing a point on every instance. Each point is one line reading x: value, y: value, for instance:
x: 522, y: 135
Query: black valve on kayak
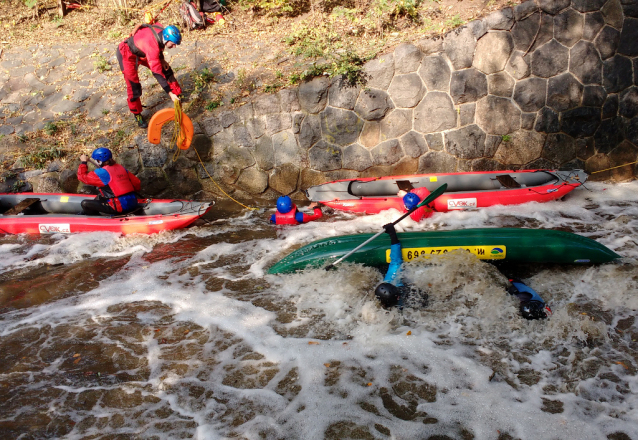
x: 532, y: 305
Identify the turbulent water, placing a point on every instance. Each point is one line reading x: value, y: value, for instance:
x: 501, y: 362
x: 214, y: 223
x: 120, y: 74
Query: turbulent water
x: 184, y: 335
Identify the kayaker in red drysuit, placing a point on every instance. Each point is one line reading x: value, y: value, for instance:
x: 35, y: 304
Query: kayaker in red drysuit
x: 412, y: 199
x: 146, y: 47
x: 287, y: 213
x: 116, y: 185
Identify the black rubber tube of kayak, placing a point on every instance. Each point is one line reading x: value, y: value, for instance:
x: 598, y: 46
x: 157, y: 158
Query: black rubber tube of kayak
x: 433, y: 195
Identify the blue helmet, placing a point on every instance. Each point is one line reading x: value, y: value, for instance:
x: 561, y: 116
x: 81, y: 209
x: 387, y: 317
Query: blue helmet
x: 284, y: 204
x: 102, y: 154
x: 411, y: 200
x: 171, y: 33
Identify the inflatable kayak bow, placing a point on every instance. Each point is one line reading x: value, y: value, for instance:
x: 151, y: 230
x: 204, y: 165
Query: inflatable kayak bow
x: 510, y: 244
x: 34, y: 213
x: 465, y: 190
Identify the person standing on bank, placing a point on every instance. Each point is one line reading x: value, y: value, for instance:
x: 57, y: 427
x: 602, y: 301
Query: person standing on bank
x: 117, y: 186
x: 146, y: 47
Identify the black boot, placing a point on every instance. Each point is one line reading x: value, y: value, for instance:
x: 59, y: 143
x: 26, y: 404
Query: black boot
x: 140, y: 121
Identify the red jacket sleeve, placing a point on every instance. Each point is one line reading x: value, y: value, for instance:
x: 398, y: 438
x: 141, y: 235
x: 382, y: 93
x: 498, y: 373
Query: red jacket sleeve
x: 89, y: 178
x: 310, y: 217
x: 135, y: 181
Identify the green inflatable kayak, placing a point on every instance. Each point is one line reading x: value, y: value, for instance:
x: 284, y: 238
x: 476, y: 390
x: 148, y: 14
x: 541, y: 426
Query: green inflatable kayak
x: 510, y: 244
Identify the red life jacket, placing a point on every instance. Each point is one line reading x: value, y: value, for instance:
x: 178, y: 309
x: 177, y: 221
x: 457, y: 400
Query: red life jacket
x: 118, y: 182
x: 422, y: 212
x: 287, y: 218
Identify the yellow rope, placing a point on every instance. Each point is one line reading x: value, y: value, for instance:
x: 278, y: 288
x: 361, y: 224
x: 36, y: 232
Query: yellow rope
x: 213, y: 180
x: 619, y: 166
x: 178, y: 131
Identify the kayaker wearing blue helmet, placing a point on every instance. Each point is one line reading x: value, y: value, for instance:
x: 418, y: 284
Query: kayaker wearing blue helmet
x: 116, y: 185
x: 391, y: 292
x: 287, y: 213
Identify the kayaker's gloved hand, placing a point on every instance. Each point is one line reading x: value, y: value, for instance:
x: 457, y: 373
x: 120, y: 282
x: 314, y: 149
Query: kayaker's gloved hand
x: 389, y: 229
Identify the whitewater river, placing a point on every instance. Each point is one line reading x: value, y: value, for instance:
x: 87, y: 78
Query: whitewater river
x: 184, y: 335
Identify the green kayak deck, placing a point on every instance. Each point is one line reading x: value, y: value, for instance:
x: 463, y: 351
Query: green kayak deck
x: 509, y: 244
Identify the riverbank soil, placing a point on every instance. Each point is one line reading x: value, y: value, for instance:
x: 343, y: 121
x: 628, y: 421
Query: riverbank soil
x: 61, y: 91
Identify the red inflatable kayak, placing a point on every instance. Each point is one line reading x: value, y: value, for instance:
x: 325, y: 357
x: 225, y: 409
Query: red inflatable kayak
x: 34, y: 213
x: 465, y: 190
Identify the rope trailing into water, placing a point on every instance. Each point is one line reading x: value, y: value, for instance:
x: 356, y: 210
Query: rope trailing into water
x: 218, y: 187
x: 613, y: 168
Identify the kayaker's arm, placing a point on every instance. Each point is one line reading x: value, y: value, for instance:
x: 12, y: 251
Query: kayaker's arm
x: 88, y: 178
x: 304, y: 218
x: 135, y: 181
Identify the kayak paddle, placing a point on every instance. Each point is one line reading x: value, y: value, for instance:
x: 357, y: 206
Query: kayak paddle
x: 433, y: 195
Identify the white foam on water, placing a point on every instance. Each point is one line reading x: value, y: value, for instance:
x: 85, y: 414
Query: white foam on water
x: 465, y: 358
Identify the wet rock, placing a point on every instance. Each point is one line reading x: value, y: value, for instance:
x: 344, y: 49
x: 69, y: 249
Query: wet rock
x: 435, y: 113
x: 184, y: 181
x: 630, y: 8
x: 617, y: 74
x: 610, y: 107
x: 564, y: 92
x: 498, y: 115
x: 253, y: 180
x: 584, y: 148
x: 287, y: 150
x: 585, y: 63
x: 407, y: 58
x: 436, y: 162
x: 339, y: 126
x: 581, y: 121
x: 325, y: 157
x: 493, y: 51
x: 468, y: 85
x: 594, y: 22
x: 284, y: 178
x: 414, y: 144
x: 435, y: 141
x: 150, y: 154
x: 523, y: 147
x: 406, y: 90
x: 465, y: 143
x: 612, y: 11
x: 370, y: 134
x: 313, y: 94
x: 608, y: 135
x: 268, y: 104
x: 517, y: 66
x: 153, y: 181
x: 459, y: 47
x: 373, y: 104
x: 530, y: 94
x: 380, y: 72
x: 631, y: 130
x: 607, y: 42
x: 629, y: 38
x: 69, y: 181
x: 524, y: 9
x: 500, y: 84
x: 397, y: 123
x: 629, y: 103
x: 342, y: 94
x: 130, y: 159
x: 492, y: 143
x: 621, y: 155
x: 387, y: 153
x: 47, y: 183
x: 500, y: 20
x: 553, y: 6
x: 550, y: 59
x: 594, y: 96
x: 527, y: 121
x: 588, y: 5
x: 356, y: 157
x: 466, y: 113
x: 311, y: 178
x: 568, y: 27
x: 435, y: 73
x: 310, y: 131
x: 559, y: 148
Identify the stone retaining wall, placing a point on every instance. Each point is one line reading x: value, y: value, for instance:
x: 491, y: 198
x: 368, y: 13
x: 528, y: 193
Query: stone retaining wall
x: 546, y: 84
